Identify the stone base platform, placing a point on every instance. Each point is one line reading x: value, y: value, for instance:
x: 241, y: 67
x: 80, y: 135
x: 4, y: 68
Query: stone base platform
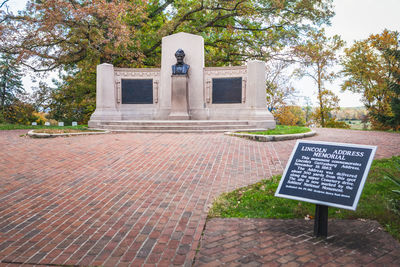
x: 182, y: 126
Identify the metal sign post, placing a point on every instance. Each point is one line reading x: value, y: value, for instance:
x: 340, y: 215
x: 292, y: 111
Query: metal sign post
x: 321, y: 221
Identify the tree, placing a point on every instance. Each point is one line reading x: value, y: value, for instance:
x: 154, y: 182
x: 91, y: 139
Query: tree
x: 10, y: 80
x: 128, y: 33
x: 20, y: 112
x: 280, y: 91
x: 71, y: 99
x: 393, y: 120
x: 316, y: 56
x: 367, y: 69
x: 290, y: 115
x: 42, y: 96
x: 330, y: 105
x: 62, y: 33
x: 76, y: 35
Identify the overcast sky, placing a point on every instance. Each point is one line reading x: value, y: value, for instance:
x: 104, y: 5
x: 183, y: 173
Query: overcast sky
x: 354, y: 20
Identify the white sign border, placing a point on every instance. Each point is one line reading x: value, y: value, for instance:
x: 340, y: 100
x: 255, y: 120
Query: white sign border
x: 360, y: 188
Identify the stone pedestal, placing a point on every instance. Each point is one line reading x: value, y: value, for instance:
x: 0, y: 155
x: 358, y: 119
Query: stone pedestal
x: 179, y: 98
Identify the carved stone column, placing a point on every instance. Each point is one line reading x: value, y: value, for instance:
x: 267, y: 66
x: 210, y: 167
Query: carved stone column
x: 179, y: 98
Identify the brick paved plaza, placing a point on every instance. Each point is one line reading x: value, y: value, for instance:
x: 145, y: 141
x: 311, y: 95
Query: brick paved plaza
x: 129, y: 199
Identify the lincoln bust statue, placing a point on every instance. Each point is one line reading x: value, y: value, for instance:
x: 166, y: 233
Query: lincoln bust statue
x: 180, y: 68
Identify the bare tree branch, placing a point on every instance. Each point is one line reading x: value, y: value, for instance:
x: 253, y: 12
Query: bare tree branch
x: 3, y: 3
x: 161, y: 8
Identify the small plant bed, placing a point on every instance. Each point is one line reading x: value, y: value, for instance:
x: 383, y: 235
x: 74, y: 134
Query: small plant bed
x: 55, y: 131
x: 66, y: 130
x: 379, y: 200
x: 280, y: 133
x: 283, y: 129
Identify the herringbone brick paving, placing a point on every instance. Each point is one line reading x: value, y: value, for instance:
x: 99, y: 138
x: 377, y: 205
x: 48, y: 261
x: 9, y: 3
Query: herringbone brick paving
x: 129, y: 199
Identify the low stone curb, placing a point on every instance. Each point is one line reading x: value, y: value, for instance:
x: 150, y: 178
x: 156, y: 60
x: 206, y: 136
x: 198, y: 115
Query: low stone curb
x: 32, y: 134
x: 271, y: 138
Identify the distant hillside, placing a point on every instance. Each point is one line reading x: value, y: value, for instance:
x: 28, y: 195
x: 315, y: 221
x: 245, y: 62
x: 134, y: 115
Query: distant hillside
x: 353, y: 113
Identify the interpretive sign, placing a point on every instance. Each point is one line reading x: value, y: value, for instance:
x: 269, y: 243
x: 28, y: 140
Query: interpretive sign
x: 226, y: 90
x: 137, y: 91
x: 324, y: 173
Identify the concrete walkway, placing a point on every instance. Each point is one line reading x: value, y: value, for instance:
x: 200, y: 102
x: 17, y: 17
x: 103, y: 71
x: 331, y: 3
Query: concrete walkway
x: 129, y: 199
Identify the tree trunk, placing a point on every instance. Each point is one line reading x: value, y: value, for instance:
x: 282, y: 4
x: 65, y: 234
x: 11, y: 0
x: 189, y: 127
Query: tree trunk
x: 320, y: 99
x: 3, y: 95
x: 3, y: 100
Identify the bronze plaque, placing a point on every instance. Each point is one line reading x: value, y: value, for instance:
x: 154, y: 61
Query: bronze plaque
x: 227, y: 90
x: 137, y: 91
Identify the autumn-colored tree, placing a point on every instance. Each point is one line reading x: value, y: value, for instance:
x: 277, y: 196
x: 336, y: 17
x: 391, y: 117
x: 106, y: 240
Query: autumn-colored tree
x: 330, y: 104
x: 290, y: 115
x: 76, y: 35
x: 128, y: 33
x: 72, y: 37
x: 317, y: 55
x: 20, y: 112
x: 367, y: 69
x: 61, y: 33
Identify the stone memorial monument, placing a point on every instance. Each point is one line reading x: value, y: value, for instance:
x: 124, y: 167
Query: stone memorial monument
x: 182, y: 94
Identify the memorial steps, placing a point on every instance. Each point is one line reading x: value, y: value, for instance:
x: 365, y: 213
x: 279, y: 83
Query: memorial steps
x: 175, y: 126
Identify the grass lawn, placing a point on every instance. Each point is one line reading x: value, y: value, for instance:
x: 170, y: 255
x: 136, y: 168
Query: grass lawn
x: 377, y: 201
x: 4, y: 126
x: 283, y: 129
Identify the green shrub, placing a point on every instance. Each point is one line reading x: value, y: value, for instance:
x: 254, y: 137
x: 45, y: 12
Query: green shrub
x: 336, y: 124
